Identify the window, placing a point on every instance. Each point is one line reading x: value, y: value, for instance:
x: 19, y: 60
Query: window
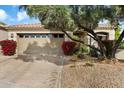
x: 55, y: 35
x: 48, y: 35
x: 43, y: 36
x: 102, y: 37
x: 26, y: 36
x: 35, y: 35
x: 38, y: 36
x: 61, y: 35
x: 58, y: 35
x: 21, y: 36
x: 12, y: 35
x: 32, y: 36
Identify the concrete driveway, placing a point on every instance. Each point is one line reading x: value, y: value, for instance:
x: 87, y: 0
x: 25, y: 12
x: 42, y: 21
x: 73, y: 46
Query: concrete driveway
x: 16, y: 72
x: 120, y: 54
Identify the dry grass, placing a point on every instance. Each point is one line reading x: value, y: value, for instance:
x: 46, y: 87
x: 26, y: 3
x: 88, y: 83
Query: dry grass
x: 88, y: 64
x: 96, y: 76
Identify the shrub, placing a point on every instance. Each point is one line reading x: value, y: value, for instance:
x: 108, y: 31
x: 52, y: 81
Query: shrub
x: 68, y: 47
x: 94, y: 53
x: 121, y: 45
x: 8, y: 47
x: 84, y: 49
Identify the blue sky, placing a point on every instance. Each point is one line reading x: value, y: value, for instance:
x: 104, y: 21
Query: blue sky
x: 11, y: 15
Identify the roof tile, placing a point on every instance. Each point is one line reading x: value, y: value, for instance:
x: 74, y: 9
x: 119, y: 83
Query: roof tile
x: 39, y: 27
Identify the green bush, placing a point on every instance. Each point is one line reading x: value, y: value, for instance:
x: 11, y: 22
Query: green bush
x: 121, y: 45
x: 84, y: 49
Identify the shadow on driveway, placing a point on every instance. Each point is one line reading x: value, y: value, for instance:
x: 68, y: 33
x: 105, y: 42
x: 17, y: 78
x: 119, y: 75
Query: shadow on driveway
x: 49, y: 58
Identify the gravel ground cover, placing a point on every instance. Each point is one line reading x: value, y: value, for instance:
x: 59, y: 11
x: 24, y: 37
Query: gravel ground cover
x: 96, y: 76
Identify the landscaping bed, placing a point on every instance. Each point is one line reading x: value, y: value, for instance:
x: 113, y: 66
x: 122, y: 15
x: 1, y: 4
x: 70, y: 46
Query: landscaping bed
x: 97, y: 75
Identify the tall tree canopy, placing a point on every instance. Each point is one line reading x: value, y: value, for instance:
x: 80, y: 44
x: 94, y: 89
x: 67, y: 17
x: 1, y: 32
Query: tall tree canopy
x: 76, y: 17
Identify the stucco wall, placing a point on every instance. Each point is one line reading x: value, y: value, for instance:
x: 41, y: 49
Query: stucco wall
x: 37, y: 45
x: 110, y: 37
x: 44, y: 45
x: 3, y: 35
x: 111, y: 33
x: 17, y: 32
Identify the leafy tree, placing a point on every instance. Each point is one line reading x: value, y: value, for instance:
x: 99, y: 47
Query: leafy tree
x: 78, y: 18
x: 117, y: 32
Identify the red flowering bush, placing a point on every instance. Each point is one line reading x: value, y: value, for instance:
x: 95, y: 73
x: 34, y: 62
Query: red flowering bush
x: 8, y: 47
x: 68, y: 47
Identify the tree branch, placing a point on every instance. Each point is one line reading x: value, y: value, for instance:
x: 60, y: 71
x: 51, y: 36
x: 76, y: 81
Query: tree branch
x: 101, y: 45
x: 81, y: 41
x: 92, y: 36
x: 117, y: 43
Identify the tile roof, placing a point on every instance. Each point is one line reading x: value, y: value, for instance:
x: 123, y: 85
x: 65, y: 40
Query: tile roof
x: 2, y: 27
x: 26, y: 27
x: 39, y: 27
x: 104, y: 27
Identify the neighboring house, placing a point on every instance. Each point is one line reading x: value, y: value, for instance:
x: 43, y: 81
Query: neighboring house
x: 35, y: 39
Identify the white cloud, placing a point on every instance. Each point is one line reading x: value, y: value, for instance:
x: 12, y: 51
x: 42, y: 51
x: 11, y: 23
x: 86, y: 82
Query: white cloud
x: 22, y: 15
x: 3, y: 15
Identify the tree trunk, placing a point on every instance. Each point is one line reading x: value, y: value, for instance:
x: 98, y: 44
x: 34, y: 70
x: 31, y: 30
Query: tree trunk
x: 102, y: 49
x: 80, y: 41
x: 109, y: 45
x: 117, y: 43
x: 100, y: 44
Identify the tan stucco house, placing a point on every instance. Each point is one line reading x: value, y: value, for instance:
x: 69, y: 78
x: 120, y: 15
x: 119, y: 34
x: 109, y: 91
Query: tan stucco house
x: 35, y: 39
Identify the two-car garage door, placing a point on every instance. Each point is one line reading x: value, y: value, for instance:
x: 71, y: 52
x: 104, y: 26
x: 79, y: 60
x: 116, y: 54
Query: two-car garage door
x: 39, y: 43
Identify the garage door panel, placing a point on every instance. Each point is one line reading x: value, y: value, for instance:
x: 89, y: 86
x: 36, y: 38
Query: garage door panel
x: 37, y: 46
